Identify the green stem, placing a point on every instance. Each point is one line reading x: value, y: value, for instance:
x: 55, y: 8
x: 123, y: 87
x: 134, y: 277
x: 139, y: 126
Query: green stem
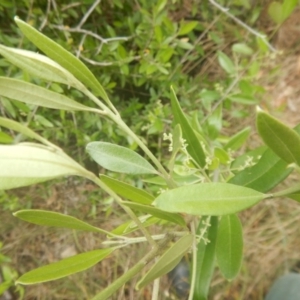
x: 194, y: 268
x: 107, y: 292
x: 118, y: 120
x: 285, y: 192
x: 156, y: 162
x: 127, y: 209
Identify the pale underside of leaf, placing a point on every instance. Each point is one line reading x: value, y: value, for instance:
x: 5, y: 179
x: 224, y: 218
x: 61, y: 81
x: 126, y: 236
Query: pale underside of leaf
x: 32, y: 94
x: 119, y: 159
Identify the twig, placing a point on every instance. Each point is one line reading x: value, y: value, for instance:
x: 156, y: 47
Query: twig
x: 88, y: 13
x: 256, y: 33
x: 96, y: 63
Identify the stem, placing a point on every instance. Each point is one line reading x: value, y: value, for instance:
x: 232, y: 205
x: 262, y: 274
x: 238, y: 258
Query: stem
x: 156, y: 162
x: 194, y: 267
x: 155, y: 289
x: 254, y: 32
x: 127, y: 209
x: 107, y: 292
x: 118, y: 120
x: 285, y: 192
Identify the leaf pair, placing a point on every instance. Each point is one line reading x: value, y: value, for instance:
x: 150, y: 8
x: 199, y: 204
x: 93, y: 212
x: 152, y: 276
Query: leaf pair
x: 224, y: 241
x: 66, y: 266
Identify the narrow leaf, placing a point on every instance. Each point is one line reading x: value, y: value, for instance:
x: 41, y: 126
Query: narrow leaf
x: 127, y: 191
x: 5, y: 138
x: 205, y: 259
x: 226, y: 63
x: 239, y: 139
x: 54, y: 219
x: 62, y: 57
x: 284, y: 141
x: 40, y: 66
x: 33, y: 94
x: 194, y: 147
x: 208, y: 199
x: 269, y: 171
x: 186, y: 27
x: 167, y: 261
x: 16, y: 126
x: 64, y: 267
x: 22, y: 165
x: 171, y: 217
x: 229, y: 248
x: 119, y: 159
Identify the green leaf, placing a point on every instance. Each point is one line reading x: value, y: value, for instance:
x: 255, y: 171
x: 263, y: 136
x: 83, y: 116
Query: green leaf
x: 5, y: 138
x: 33, y: 94
x: 16, y: 126
x: 194, y: 147
x: 238, y: 140
x: 205, y: 259
x: 186, y: 27
x: 229, y: 247
x: 284, y: 141
x: 54, y: 219
x: 279, y: 12
x: 40, y: 66
x: 127, y: 191
x: 167, y: 261
x: 26, y: 164
x: 119, y: 159
x: 226, y: 63
x: 63, y: 58
x: 208, y: 199
x: 242, y: 48
x: 269, y: 171
x: 64, y: 267
x: 214, y: 123
x: 288, y: 7
x: 171, y: 217
x: 243, y: 99
x: 221, y: 155
x: 253, y: 155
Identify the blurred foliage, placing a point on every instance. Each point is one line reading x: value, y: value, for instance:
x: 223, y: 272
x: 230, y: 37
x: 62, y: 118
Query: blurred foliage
x: 137, y: 49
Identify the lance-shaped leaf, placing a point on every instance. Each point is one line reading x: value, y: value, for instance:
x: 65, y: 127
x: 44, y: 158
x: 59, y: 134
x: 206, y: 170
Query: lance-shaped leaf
x: 62, y: 57
x: 127, y: 191
x: 64, y: 267
x: 36, y: 95
x: 171, y: 217
x: 167, y: 261
x: 213, y: 199
x: 16, y: 126
x: 205, y: 259
x: 194, y: 147
x: 22, y: 165
x: 239, y: 139
x: 40, y: 66
x: 119, y: 159
x: 229, y: 248
x: 284, y: 141
x: 269, y: 171
x: 54, y: 219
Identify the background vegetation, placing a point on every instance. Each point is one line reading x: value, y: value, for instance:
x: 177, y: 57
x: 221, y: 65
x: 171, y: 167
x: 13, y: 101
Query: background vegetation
x: 137, y: 49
